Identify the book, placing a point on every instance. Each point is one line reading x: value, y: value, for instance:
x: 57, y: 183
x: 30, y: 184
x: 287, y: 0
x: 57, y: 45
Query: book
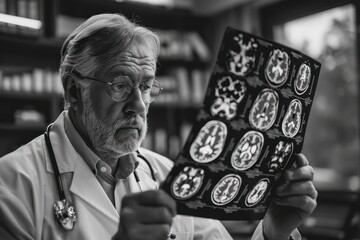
x: 252, y: 121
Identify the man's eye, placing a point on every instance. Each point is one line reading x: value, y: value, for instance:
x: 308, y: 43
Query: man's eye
x: 118, y: 87
x: 146, y: 87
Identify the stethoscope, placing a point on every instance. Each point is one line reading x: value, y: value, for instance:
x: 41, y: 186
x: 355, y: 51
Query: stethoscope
x: 65, y: 214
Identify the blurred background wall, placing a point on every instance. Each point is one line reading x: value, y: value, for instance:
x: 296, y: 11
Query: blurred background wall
x: 32, y: 31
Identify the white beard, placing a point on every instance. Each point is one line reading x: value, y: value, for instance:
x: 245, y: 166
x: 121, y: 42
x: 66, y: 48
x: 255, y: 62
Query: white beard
x: 102, y: 133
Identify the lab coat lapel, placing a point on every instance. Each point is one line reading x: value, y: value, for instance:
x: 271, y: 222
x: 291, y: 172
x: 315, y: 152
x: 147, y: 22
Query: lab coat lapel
x: 84, y: 183
x: 85, y: 186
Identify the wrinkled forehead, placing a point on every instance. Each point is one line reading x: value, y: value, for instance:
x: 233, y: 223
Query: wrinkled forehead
x: 139, y: 55
x: 139, y: 52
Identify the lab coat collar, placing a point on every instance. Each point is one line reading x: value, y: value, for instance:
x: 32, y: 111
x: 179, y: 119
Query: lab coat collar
x: 65, y: 154
x: 88, y: 188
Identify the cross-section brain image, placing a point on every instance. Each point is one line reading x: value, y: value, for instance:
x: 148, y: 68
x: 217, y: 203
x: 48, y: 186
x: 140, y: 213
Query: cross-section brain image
x: 228, y: 94
x: 248, y: 150
x: 187, y: 183
x: 241, y: 56
x: 277, y: 68
x: 226, y: 189
x: 292, y: 119
x: 280, y: 157
x: 257, y: 193
x: 302, y: 80
x: 209, y: 142
x: 264, y: 110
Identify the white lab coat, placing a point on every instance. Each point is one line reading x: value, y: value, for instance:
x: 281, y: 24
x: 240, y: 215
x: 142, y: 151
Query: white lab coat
x: 28, y: 191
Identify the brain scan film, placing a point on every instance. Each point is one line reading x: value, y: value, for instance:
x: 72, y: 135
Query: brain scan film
x: 264, y: 110
x: 228, y: 94
x: 277, y: 68
x: 247, y: 151
x: 248, y: 128
x: 241, y: 55
x: 302, y: 80
x: 279, y: 158
x: 226, y: 189
x: 187, y: 183
x: 292, y: 119
x: 257, y: 193
x: 209, y: 142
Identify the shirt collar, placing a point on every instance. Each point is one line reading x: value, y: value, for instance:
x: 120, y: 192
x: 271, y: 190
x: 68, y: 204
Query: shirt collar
x: 126, y: 164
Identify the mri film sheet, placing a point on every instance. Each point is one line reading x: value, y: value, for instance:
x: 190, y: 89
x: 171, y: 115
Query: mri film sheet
x: 251, y: 123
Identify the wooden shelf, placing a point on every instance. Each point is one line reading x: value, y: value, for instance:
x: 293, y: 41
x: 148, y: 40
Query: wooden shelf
x: 30, y: 95
x: 30, y: 52
x: 150, y: 15
x: 29, y: 127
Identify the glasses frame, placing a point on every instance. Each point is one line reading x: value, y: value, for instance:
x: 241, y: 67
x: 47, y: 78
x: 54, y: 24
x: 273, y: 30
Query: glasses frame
x: 110, y: 84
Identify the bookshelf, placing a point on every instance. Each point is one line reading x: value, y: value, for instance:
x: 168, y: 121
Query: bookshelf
x: 30, y: 90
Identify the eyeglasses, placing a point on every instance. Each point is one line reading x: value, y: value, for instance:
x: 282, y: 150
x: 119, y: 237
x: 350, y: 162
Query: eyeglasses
x: 122, y: 87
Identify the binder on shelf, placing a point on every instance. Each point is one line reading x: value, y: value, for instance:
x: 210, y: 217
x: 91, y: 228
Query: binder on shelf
x: 6, y: 83
x: 20, y: 8
x: 33, y: 13
x: 170, y: 89
x: 198, y: 46
x: 183, y: 46
x: 16, y: 83
x: 38, y: 80
x: 26, y: 82
x: 33, y: 9
x: 2, y: 10
x: 56, y: 81
x: 48, y: 81
x: 11, y: 10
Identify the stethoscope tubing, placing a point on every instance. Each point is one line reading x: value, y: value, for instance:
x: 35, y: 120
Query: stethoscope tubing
x: 54, y: 164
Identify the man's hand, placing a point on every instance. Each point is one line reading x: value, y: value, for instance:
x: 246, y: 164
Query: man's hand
x: 295, y: 200
x: 146, y: 215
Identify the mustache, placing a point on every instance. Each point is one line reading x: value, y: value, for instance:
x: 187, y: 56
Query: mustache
x: 131, y: 121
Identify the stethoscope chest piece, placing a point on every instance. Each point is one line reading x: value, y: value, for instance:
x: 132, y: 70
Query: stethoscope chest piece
x: 65, y: 214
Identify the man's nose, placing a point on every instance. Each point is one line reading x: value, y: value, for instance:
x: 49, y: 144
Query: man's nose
x: 135, y: 102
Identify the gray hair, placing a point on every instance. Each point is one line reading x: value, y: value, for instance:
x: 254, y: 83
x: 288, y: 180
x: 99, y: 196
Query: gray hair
x: 97, y: 40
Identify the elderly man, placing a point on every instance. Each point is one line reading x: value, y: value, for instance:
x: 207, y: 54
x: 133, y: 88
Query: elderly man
x: 89, y: 162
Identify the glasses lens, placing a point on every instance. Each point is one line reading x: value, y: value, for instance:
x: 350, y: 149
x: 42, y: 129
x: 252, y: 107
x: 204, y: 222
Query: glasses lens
x: 155, y: 91
x: 120, y: 91
x: 150, y: 92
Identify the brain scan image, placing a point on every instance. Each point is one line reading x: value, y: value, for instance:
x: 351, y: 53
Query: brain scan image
x: 241, y: 56
x: 264, y: 110
x: 226, y: 189
x: 247, y: 151
x: 277, y: 68
x: 187, y: 183
x: 302, y: 80
x: 292, y: 119
x: 280, y: 157
x: 257, y: 193
x: 209, y: 142
x: 228, y: 94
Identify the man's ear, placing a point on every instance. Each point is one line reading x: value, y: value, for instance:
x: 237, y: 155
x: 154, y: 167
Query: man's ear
x: 72, y: 91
